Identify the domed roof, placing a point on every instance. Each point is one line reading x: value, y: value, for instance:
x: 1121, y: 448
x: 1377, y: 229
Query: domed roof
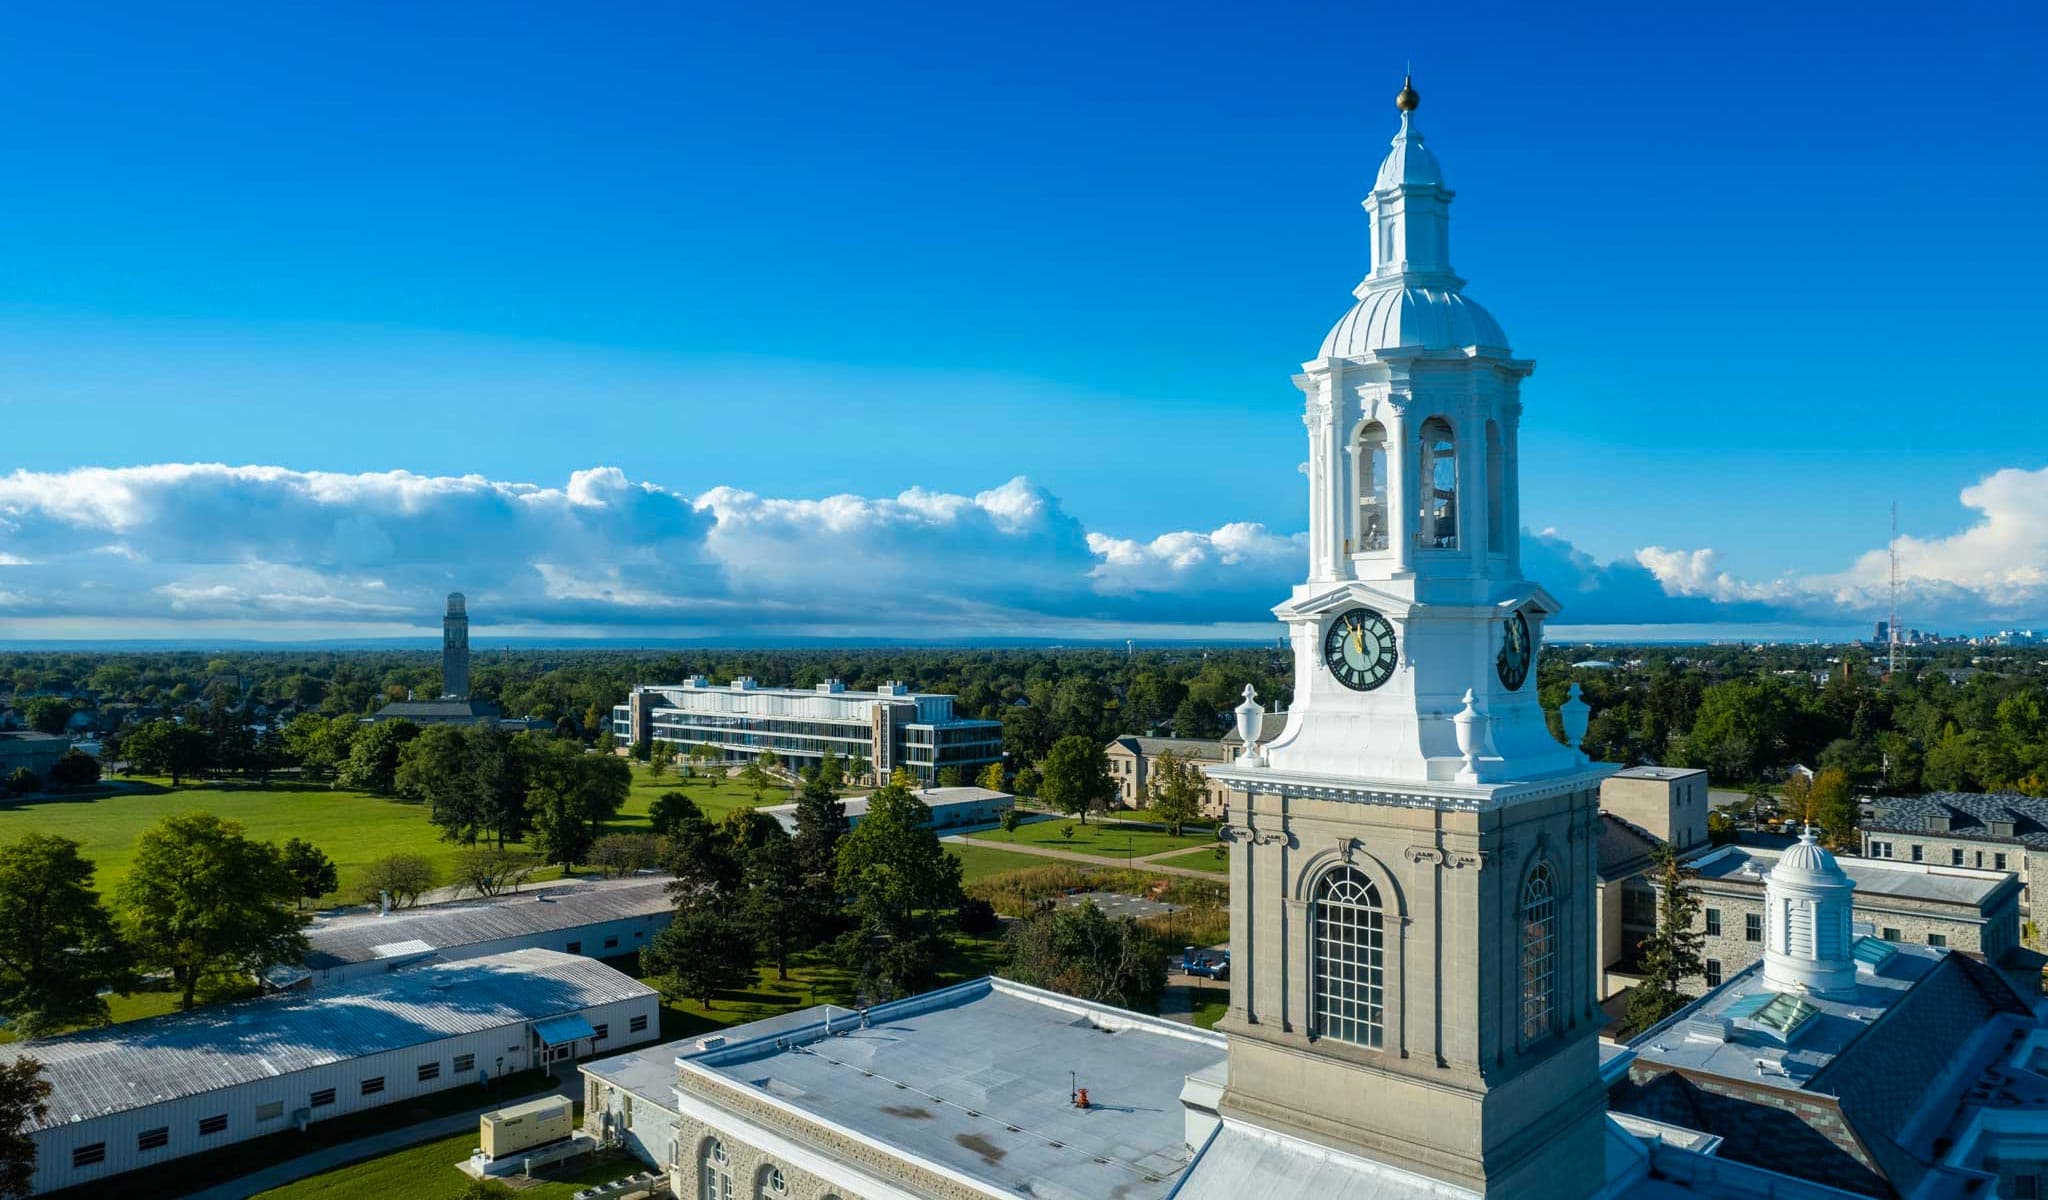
x: 1806, y: 861
x: 1414, y: 317
x: 1409, y: 163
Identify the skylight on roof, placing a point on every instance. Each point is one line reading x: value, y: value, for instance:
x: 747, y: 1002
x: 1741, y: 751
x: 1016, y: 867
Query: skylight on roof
x: 1873, y: 952
x: 1787, y: 1015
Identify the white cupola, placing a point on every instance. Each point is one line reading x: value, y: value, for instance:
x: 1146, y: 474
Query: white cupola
x: 1808, y: 905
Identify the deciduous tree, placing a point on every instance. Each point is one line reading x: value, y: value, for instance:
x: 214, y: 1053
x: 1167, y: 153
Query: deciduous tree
x: 1176, y: 789
x: 372, y: 763
x: 489, y: 870
x: 403, y: 877
x: 1085, y: 953
x: 991, y: 777
x: 167, y: 748
x: 202, y: 900
x: 1074, y: 777
x: 703, y: 952
x: 75, y: 770
x: 311, y: 869
x: 618, y: 855
x: 58, y: 946
x: 23, y: 1093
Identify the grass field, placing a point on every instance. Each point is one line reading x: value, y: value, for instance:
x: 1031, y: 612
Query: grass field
x: 1112, y: 839
x: 427, y: 1172
x: 1204, y: 859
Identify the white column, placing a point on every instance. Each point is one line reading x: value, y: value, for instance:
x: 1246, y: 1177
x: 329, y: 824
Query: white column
x: 1511, y: 479
x: 1402, y: 501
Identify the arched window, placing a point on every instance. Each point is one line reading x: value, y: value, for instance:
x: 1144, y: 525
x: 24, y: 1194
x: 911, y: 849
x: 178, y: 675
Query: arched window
x: 1539, y: 952
x: 1369, y: 468
x: 772, y: 1186
x: 1496, y: 492
x: 1439, y: 527
x: 1349, y: 977
x: 717, y: 1173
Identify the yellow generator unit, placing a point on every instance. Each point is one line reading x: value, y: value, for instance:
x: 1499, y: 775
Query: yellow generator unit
x: 521, y: 1127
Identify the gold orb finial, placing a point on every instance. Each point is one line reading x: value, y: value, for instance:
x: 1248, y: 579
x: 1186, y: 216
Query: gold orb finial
x: 1409, y: 99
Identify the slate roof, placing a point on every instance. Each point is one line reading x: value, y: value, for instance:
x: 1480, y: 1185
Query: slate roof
x: 1970, y: 815
x: 138, y: 1063
x: 1624, y: 850
x: 1206, y: 749
x: 355, y: 938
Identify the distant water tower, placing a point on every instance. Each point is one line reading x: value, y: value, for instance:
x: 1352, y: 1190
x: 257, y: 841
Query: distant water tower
x: 455, y: 649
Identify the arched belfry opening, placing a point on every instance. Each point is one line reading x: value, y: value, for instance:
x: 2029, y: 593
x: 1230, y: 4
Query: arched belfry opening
x: 1369, y: 469
x: 1438, y: 519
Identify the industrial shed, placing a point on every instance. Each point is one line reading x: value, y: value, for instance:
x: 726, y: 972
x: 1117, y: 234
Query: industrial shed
x: 598, y: 920
x: 134, y: 1095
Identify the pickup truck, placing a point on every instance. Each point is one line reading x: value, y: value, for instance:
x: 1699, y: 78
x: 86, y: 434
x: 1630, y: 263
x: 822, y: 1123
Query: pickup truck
x: 1210, y: 964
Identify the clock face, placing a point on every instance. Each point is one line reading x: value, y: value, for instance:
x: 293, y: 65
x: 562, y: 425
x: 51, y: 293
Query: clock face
x: 1359, y: 649
x: 1516, y: 652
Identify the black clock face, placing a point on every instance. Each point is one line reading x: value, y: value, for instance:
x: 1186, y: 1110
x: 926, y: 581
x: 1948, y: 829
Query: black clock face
x: 1359, y: 649
x: 1515, y: 651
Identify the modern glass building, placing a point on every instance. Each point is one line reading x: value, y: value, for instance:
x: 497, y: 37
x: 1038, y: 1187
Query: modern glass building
x: 887, y: 728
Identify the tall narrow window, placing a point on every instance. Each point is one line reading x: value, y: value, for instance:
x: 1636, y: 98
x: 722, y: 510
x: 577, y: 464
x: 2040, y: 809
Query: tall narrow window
x: 1349, y: 975
x: 1439, y: 526
x: 1539, y: 952
x: 1496, y: 492
x: 1370, y: 470
x: 717, y: 1172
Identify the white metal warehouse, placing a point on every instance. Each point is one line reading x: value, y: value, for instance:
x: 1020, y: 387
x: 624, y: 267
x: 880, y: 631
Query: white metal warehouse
x: 598, y: 920
x: 141, y: 1093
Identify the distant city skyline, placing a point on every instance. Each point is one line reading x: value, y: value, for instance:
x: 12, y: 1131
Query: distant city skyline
x: 714, y: 322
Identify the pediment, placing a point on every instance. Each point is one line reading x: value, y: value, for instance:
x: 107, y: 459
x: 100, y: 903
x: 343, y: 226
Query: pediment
x: 1534, y: 596
x: 1347, y: 594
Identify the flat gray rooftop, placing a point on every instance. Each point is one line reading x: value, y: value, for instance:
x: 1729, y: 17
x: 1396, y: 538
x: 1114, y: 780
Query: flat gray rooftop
x: 136, y: 1063
x: 1757, y: 1058
x: 357, y: 937
x: 1873, y: 876
x: 974, y: 1079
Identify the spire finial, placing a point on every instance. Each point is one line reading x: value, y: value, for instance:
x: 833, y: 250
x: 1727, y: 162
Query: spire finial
x: 1408, y: 99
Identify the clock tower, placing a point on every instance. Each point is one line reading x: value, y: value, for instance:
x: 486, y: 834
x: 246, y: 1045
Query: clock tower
x: 1412, y: 868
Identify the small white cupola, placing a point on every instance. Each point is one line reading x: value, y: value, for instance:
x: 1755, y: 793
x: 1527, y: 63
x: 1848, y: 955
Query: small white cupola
x: 1808, y: 922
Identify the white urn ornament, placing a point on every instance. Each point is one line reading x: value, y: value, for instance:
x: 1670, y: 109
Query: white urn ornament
x: 1471, y: 726
x: 1251, y: 718
x: 1575, y: 714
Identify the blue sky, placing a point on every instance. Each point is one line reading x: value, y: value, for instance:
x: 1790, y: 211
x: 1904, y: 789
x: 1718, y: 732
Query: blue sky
x: 1779, y: 266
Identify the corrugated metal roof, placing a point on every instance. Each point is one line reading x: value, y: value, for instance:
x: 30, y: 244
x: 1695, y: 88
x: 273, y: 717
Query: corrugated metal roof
x: 465, y: 923
x: 137, y: 1063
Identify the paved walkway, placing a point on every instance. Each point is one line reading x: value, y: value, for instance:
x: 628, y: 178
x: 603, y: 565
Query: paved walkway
x: 1091, y: 859
x: 328, y: 1157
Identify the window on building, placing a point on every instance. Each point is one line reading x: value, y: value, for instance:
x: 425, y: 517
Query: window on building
x: 1539, y: 952
x: 1752, y: 927
x: 717, y: 1173
x: 85, y: 1156
x: 1955, y: 857
x: 1349, y: 988
x: 430, y: 1070
x: 1980, y: 858
x: 464, y: 1063
x: 599, y: 1033
x: 1919, y: 852
x: 271, y: 1111
x: 373, y: 1085
x: 1713, y: 973
x: 1890, y: 933
x: 1998, y: 862
x: 2026, y: 1187
x: 611, y: 943
x: 1439, y: 477
x: 1937, y: 939
x: 1880, y: 849
x: 208, y: 1126
x: 153, y: 1139
x: 773, y: 1186
x: 1369, y: 468
x: 574, y: 948
x: 1496, y: 492
x: 637, y: 1025
x: 1713, y: 922
x: 321, y: 1098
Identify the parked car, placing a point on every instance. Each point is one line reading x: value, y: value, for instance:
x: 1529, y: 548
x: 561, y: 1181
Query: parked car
x: 1209, y: 964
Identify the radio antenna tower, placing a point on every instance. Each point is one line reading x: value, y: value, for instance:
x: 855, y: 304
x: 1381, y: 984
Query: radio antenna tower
x: 1892, y: 630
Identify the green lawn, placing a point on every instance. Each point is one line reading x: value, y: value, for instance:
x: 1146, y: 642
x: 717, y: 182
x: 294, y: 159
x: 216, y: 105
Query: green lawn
x: 1112, y: 839
x: 978, y: 862
x: 1205, y: 859
x: 427, y: 1172
x: 1210, y: 1007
